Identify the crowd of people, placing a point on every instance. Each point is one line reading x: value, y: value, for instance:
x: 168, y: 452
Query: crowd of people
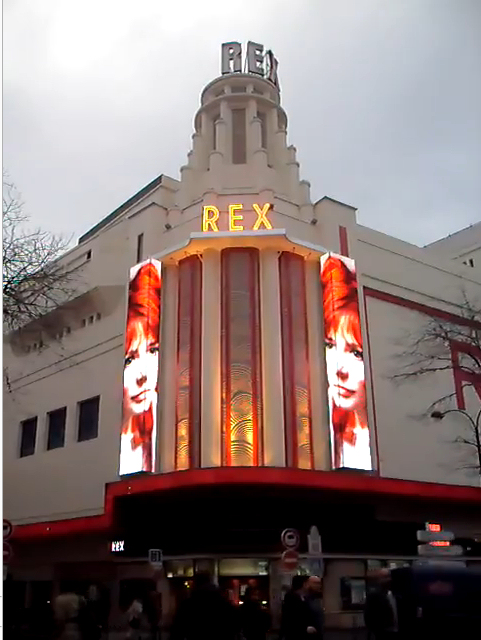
x: 209, y: 614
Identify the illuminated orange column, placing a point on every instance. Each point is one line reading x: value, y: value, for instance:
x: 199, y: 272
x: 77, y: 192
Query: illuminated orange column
x: 272, y: 385
x: 317, y: 368
x: 167, y: 382
x: 211, y: 363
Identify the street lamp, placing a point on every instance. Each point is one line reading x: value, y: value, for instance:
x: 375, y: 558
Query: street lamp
x: 475, y: 424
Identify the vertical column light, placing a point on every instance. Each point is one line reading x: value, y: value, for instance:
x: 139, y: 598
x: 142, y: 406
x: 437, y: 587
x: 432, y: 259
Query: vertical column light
x: 272, y: 383
x: 211, y: 383
x: 188, y: 372
x: 166, y: 384
x: 297, y: 400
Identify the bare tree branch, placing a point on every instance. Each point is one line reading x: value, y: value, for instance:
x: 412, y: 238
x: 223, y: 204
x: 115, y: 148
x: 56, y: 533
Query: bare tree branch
x: 446, y: 345
x: 34, y: 280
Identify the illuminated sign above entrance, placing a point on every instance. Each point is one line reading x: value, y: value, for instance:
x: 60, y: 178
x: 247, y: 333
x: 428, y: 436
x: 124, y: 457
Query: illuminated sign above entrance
x: 257, y: 62
x: 211, y: 216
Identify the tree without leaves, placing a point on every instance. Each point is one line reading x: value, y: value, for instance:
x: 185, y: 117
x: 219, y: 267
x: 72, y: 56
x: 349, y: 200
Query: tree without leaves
x: 34, y: 281
x: 441, y: 344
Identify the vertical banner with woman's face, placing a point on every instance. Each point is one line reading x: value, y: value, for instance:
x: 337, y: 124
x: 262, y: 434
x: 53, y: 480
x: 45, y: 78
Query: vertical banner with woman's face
x: 346, y: 381
x: 141, y: 367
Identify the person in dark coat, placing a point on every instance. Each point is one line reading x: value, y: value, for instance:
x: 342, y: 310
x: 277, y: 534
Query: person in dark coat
x: 380, y: 610
x: 316, y: 608
x: 254, y: 619
x: 295, y: 611
x: 205, y: 615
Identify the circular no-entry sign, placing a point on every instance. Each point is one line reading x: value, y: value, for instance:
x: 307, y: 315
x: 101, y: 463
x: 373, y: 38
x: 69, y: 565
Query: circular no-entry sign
x: 290, y: 560
x: 7, y: 553
x: 290, y: 538
x: 7, y: 529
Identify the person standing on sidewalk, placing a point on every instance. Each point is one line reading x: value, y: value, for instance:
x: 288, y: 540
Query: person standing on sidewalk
x: 295, y: 622
x: 380, y: 610
x: 316, y: 609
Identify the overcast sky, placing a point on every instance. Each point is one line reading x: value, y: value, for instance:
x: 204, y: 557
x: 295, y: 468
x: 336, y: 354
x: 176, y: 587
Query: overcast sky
x: 383, y: 99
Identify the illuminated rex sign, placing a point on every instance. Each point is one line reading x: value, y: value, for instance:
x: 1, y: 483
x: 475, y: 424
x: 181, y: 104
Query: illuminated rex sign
x: 238, y: 218
x: 258, y: 62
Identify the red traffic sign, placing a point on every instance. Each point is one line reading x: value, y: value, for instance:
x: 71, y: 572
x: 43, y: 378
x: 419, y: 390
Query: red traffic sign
x: 290, y: 560
x: 290, y: 538
x: 7, y: 529
x: 7, y: 553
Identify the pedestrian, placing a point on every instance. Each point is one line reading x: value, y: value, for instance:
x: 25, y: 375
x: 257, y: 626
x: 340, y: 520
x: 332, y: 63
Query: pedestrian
x: 295, y: 611
x: 316, y: 608
x: 205, y: 615
x: 68, y: 610
x: 254, y: 618
x: 153, y: 612
x: 134, y: 619
x: 381, y: 610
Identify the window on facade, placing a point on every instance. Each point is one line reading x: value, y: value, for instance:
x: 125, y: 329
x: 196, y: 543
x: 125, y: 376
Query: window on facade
x: 28, y: 437
x: 84, y: 322
x: 187, y: 436
x: 297, y: 401
x: 89, y: 254
x: 239, y: 135
x: 469, y: 262
x: 241, y: 358
x: 88, y: 419
x: 140, y: 247
x: 56, y: 428
x: 214, y: 131
x: 262, y: 117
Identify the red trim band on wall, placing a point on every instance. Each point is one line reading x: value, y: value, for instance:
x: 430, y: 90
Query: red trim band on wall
x: 343, y: 242
x: 351, y: 482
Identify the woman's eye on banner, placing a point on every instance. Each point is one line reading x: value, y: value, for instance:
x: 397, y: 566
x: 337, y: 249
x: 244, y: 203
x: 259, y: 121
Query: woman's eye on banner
x: 350, y: 440
x: 141, y: 366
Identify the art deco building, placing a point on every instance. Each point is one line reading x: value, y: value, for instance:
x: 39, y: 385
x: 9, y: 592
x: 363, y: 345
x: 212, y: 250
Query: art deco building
x: 272, y: 327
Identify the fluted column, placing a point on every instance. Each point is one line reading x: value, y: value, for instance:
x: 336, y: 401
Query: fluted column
x: 317, y: 372
x: 166, y: 410
x: 272, y: 384
x: 211, y: 365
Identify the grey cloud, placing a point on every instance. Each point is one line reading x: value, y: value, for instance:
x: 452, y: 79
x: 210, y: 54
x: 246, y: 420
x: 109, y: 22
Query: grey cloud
x: 383, y: 100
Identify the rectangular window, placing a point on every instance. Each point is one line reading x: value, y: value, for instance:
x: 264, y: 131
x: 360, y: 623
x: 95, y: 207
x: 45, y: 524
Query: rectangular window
x: 56, y: 428
x: 214, y: 131
x: 239, y: 135
x: 28, y: 437
x: 88, y: 419
x: 140, y: 247
x: 262, y: 117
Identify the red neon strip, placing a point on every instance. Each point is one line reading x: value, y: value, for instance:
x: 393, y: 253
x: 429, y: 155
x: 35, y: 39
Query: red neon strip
x: 288, y: 356
x: 343, y: 242
x: 226, y: 372
x: 192, y: 320
x: 355, y: 483
x: 253, y: 255
x: 308, y: 377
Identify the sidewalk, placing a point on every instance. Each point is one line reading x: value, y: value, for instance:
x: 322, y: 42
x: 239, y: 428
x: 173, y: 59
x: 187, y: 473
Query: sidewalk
x: 330, y: 634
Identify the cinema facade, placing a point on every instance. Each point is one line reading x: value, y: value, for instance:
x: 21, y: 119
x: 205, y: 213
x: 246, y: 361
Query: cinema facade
x: 226, y: 371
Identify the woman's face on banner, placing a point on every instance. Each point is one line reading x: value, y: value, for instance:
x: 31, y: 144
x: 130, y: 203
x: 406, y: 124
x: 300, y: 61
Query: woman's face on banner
x: 345, y: 370
x: 140, y: 374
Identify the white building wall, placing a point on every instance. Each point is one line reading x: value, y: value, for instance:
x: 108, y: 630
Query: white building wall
x: 70, y: 482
